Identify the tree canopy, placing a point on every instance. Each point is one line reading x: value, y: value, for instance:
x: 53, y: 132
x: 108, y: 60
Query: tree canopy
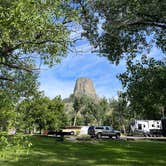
x: 129, y: 29
x: 40, y: 113
x: 89, y: 111
x: 125, y: 27
x: 145, y: 84
x: 33, y: 32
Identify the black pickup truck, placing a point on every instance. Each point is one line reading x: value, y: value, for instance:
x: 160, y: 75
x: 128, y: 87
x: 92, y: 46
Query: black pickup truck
x: 57, y: 132
x: 99, y: 131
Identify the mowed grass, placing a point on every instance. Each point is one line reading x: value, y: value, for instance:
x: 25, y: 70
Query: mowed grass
x: 48, y: 152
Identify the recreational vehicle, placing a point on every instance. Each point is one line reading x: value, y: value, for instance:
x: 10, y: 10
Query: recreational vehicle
x: 148, y: 127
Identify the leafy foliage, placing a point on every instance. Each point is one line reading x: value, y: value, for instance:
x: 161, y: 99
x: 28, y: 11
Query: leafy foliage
x: 121, y: 113
x: 127, y: 29
x: 15, y: 144
x: 88, y: 111
x: 145, y: 84
x: 33, y: 32
x: 41, y: 113
x: 121, y: 28
x: 11, y: 93
x: 98, y: 111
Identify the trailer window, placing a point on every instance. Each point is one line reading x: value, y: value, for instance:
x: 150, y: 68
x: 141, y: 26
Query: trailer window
x: 152, y: 125
x: 139, y: 127
x: 144, y: 126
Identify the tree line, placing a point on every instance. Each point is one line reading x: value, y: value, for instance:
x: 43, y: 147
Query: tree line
x: 36, y: 33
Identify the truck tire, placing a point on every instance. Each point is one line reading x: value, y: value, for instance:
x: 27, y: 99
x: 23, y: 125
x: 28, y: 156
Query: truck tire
x: 99, y: 135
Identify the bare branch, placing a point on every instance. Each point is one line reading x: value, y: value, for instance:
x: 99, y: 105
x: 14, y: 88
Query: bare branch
x: 163, y: 26
x: 10, y: 49
x: 13, y: 66
x: 6, y: 78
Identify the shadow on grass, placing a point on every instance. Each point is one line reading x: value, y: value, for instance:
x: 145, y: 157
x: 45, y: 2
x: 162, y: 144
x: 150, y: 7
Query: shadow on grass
x: 48, y: 152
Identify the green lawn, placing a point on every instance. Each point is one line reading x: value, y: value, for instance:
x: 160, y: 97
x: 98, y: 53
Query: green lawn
x: 48, y: 152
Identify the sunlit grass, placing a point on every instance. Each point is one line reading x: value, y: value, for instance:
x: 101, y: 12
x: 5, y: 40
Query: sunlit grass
x: 48, y: 152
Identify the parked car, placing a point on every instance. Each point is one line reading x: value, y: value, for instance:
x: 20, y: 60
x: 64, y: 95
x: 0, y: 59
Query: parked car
x: 99, y: 131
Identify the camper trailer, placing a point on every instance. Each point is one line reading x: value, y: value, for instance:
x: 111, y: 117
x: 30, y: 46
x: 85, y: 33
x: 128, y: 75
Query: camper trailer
x: 146, y: 127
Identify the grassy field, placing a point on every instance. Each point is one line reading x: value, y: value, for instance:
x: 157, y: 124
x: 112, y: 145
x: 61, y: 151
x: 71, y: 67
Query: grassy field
x: 48, y: 152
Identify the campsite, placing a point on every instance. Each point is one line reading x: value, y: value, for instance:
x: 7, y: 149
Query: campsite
x: 82, y: 82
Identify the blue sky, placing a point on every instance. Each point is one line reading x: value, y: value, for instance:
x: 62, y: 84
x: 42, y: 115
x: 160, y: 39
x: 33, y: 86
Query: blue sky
x: 60, y: 80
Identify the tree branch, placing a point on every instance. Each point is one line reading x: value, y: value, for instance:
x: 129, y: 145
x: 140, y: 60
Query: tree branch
x: 6, y: 78
x: 163, y: 26
x: 18, y: 67
x: 10, y: 49
x: 152, y: 18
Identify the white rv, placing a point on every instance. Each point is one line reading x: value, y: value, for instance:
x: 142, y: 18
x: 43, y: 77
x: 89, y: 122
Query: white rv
x: 146, y: 127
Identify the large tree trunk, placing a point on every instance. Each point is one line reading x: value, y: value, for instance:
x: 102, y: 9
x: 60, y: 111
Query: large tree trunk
x: 124, y: 129
x: 75, y: 119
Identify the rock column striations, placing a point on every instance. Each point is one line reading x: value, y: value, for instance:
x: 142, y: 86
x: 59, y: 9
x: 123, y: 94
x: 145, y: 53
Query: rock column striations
x: 84, y: 86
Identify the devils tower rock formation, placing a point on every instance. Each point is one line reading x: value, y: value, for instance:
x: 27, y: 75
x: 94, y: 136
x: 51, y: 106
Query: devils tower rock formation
x: 84, y: 86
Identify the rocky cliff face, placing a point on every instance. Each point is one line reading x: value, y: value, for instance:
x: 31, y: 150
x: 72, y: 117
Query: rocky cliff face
x: 84, y: 86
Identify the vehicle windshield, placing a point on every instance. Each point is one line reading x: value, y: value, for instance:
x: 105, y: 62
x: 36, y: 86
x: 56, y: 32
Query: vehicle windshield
x: 109, y: 128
